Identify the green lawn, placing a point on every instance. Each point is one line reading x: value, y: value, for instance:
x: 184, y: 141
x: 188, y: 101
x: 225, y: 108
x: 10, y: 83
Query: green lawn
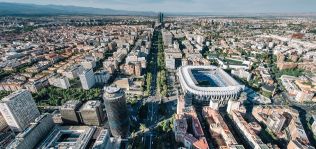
x: 232, y: 62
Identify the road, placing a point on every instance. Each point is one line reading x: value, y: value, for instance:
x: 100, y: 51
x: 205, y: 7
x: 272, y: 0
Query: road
x: 153, y: 99
x: 151, y: 121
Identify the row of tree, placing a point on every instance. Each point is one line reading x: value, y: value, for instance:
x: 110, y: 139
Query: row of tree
x: 148, y: 82
x: 3, y: 74
x: 161, y: 77
x: 150, y: 65
x: 4, y: 93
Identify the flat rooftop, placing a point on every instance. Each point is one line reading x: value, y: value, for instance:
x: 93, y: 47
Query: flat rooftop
x: 92, y: 104
x: 71, y: 104
x: 68, y: 137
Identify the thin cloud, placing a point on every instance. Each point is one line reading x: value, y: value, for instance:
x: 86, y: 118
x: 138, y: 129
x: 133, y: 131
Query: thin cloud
x: 251, y: 6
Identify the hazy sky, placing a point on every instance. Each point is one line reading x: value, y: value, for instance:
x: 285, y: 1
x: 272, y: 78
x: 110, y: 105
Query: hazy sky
x: 229, y: 6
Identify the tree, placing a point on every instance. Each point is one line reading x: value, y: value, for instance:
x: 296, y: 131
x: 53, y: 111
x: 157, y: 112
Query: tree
x: 165, y: 126
x: 4, y: 93
x: 133, y: 135
x: 142, y: 128
x: 148, y: 82
x: 56, y: 96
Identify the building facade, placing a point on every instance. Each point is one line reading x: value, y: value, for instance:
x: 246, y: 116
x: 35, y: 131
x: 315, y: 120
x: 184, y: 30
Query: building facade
x: 19, y: 110
x: 34, y: 134
x: 3, y: 123
x: 59, y: 81
x: 117, y: 113
x: 208, y: 83
x: 70, y: 112
x: 167, y: 38
x: 87, y: 79
x: 102, y: 77
x: 92, y: 113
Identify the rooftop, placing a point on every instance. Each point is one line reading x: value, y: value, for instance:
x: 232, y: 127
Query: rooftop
x: 197, y: 126
x: 92, y: 104
x: 113, y: 92
x: 68, y: 137
x: 71, y: 104
x: 201, y: 143
x: 112, y: 89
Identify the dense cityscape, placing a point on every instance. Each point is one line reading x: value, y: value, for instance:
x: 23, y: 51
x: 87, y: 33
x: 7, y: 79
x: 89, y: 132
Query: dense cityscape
x: 157, y: 82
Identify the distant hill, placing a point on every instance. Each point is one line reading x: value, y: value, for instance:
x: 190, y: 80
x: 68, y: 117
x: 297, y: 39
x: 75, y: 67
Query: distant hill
x: 21, y: 9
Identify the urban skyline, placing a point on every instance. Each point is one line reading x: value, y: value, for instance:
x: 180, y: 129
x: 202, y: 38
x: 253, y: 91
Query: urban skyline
x: 87, y: 78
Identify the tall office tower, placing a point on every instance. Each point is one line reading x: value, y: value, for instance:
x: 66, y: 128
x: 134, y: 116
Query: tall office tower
x: 19, y: 110
x: 115, y: 105
x: 30, y: 137
x: 92, y: 113
x: 69, y: 112
x: 160, y: 16
x: 87, y: 79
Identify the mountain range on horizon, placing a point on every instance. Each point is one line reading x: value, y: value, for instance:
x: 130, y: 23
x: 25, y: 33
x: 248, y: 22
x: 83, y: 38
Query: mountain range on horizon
x: 26, y: 9
x: 23, y: 9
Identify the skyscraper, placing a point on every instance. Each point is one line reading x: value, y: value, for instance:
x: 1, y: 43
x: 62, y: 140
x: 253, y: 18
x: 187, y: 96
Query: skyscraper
x: 115, y: 104
x: 19, y: 110
x: 160, y: 16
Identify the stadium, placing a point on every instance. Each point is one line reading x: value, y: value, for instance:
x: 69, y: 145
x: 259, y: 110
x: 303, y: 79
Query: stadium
x: 208, y: 83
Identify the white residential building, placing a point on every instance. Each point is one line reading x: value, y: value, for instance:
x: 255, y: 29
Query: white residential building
x: 170, y: 62
x: 59, y: 81
x: 241, y: 73
x: 88, y: 64
x: 293, y: 86
x: 73, y: 71
x: 87, y: 79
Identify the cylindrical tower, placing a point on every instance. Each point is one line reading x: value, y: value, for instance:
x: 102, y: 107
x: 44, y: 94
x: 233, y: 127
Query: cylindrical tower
x: 116, y: 109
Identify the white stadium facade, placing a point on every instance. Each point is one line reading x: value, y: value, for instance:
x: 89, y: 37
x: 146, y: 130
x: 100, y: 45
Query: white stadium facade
x: 208, y: 84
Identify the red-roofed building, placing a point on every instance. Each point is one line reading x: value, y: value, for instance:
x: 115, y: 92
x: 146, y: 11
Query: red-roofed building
x: 197, y: 128
x: 181, y: 127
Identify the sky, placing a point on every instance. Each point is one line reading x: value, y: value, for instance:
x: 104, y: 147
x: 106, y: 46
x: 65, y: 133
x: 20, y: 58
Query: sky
x: 216, y: 6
